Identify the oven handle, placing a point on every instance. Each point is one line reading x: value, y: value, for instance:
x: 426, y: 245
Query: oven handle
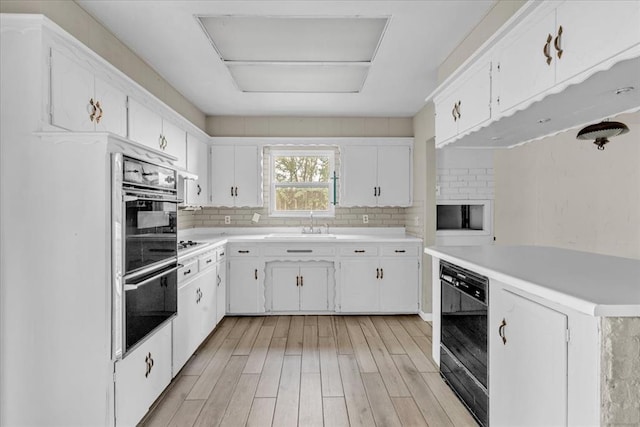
x: 151, y: 268
x: 150, y: 279
x: 127, y: 198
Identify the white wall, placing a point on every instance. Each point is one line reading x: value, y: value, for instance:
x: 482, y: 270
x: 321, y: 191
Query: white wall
x: 564, y: 192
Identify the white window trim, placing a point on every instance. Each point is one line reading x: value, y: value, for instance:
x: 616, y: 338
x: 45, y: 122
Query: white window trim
x: 275, y: 152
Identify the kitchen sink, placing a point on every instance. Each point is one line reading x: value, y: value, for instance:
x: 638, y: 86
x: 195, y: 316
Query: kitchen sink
x: 303, y: 237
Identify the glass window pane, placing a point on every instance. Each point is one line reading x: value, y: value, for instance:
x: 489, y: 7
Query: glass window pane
x: 301, y: 169
x: 302, y: 199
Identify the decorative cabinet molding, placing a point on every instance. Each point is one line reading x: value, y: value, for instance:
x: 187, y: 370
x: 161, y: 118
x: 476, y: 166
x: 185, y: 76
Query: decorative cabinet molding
x: 549, y: 72
x: 236, y: 176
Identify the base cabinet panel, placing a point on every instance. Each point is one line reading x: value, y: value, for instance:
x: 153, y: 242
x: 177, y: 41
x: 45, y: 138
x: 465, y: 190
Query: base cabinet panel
x: 399, y: 285
x: 245, y: 290
x: 141, y: 376
x: 299, y: 287
x: 185, y: 332
x: 359, y: 286
x: 528, y: 362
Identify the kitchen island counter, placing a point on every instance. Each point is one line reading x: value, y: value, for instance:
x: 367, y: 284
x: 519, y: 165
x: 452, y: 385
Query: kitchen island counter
x: 597, y: 285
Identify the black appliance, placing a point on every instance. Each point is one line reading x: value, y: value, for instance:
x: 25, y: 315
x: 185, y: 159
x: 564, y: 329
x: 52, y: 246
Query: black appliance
x: 145, y: 250
x: 463, y: 345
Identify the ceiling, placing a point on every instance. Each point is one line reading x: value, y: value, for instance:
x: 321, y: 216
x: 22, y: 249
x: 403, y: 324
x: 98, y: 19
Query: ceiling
x: 393, y: 81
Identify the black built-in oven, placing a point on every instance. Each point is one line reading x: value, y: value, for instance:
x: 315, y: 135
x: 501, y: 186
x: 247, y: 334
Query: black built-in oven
x: 463, y: 345
x: 145, y: 249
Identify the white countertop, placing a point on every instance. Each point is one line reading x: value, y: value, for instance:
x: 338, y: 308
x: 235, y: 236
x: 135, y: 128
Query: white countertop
x: 598, y: 285
x: 218, y: 236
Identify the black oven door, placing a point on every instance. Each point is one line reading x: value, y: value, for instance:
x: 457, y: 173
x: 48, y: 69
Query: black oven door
x: 149, y: 300
x: 150, y: 231
x: 464, y: 330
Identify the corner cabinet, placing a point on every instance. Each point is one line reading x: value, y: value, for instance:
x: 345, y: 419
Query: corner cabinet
x: 378, y: 175
x: 236, y: 176
x: 197, y: 190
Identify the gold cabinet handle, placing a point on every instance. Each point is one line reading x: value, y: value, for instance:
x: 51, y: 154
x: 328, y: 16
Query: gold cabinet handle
x: 501, y: 331
x: 92, y: 116
x: 99, y: 116
x: 458, y: 104
x: 453, y: 113
x: 160, y: 142
x: 557, y: 43
x: 547, y: 48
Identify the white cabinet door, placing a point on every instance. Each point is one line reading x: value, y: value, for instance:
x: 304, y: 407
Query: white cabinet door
x: 176, y: 142
x: 314, y: 284
x: 394, y: 176
x: 593, y: 31
x: 113, y: 108
x: 528, y: 379
x: 359, y: 285
x: 285, y: 288
x: 141, y: 376
x: 474, y: 102
x: 399, y: 285
x: 245, y: 286
x: 522, y: 71
x: 197, y: 162
x: 145, y: 126
x: 222, y: 175
x: 185, y: 331
x: 208, y: 302
x: 248, y: 177
x: 359, y: 166
x: 72, y: 90
x: 446, y: 119
x: 221, y: 290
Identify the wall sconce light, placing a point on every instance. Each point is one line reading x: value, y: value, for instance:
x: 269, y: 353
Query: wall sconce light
x: 601, y: 132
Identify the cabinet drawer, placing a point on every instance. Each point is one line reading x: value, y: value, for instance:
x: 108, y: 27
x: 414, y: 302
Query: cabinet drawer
x: 302, y: 250
x: 400, y: 250
x: 221, y: 253
x: 207, y: 260
x: 359, y: 250
x: 188, y: 270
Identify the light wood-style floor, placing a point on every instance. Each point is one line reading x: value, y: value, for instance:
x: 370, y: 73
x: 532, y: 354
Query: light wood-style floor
x: 312, y: 371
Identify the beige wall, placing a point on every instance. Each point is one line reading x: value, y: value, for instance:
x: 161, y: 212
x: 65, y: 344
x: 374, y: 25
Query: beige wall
x: 498, y: 15
x: 73, y: 19
x: 309, y: 126
x: 424, y: 193
x: 564, y: 192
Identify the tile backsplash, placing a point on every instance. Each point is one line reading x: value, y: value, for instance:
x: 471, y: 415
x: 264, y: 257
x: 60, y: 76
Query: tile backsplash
x: 344, y: 217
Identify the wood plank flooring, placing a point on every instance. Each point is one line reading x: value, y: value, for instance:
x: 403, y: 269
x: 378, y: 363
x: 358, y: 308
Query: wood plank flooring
x: 312, y: 371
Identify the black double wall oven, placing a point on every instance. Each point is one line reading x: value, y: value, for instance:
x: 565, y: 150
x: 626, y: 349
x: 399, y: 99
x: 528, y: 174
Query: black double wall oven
x: 463, y: 344
x: 145, y: 257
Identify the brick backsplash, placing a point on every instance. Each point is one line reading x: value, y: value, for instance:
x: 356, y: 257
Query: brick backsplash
x: 620, y: 380
x: 465, y: 184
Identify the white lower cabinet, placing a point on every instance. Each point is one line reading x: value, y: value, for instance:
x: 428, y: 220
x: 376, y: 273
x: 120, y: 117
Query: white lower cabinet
x: 185, y: 334
x: 399, y: 285
x: 528, y: 362
x: 141, y: 376
x: 299, y: 287
x: 359, y: 287
x: 245, y: 282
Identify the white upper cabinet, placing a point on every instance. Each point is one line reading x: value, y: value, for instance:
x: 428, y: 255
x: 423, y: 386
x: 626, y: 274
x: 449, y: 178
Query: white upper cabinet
x: 197, y: 163
x: 376, y: 175
x: 466, y: 105
x: 592, y: 32
x: 149, y: 128
x: 525, y: 61
x: 81, y: 101
x: 236, y: 176
x: 552, y: 66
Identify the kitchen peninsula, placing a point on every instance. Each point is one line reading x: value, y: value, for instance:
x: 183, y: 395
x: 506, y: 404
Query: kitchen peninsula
x: 561, y: 322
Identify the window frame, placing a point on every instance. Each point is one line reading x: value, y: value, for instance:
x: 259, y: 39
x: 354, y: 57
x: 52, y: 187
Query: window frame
x: 278, y: 152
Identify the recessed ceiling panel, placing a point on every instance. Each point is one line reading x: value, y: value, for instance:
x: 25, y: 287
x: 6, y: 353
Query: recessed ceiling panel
x: 264, y: 38
x: 300, y: 77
